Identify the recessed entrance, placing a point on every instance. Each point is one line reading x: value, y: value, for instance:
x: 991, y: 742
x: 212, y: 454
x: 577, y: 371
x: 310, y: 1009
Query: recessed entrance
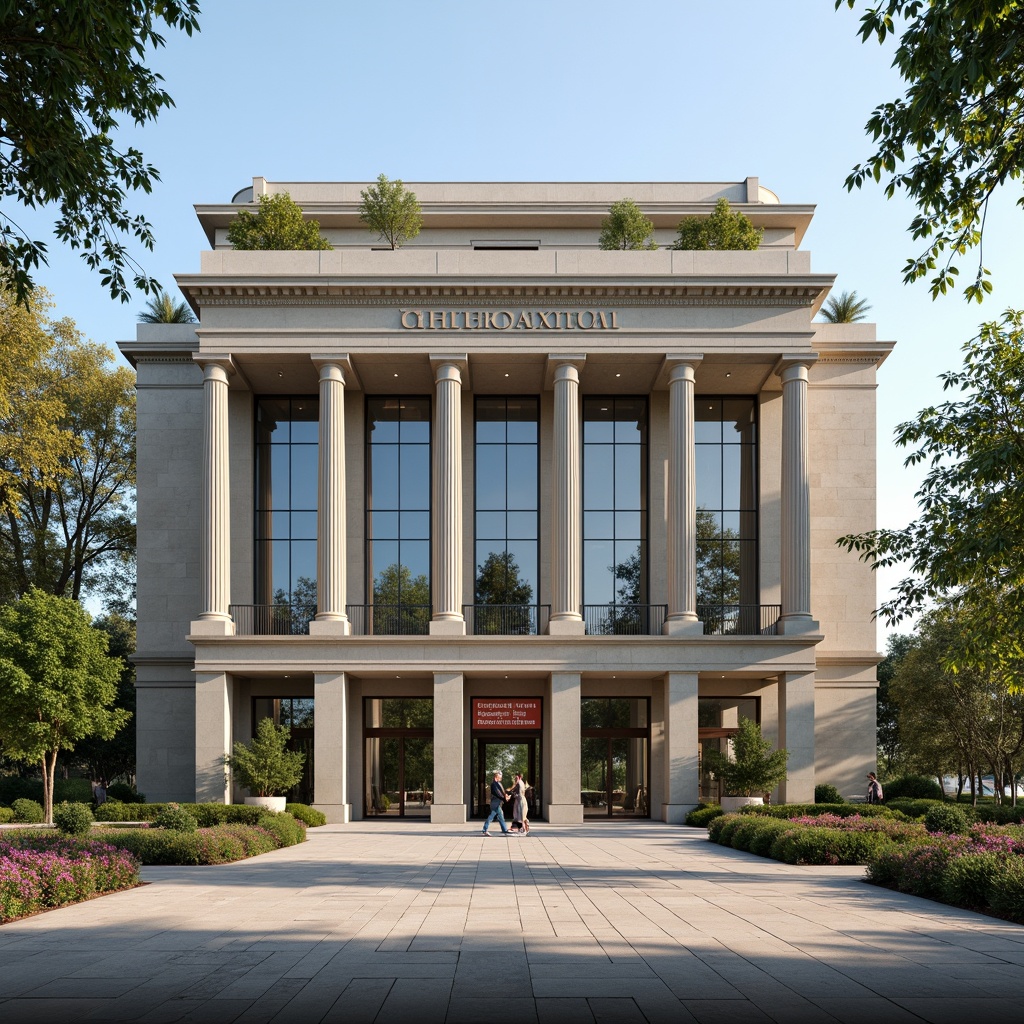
x: 615, y: 749
x: 508, y: 754
x: 399, y: 742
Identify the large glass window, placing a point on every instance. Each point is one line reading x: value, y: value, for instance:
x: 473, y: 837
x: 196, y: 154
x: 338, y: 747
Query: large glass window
x: 399, y: 754
x: 726, y: 470
x: 615, y: 756
x: 286, y: 502
x: 614, y: 512
x: 507, y: 510
x: 398, y: 513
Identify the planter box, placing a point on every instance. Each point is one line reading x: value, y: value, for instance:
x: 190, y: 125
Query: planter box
x: 734, y: 803
x: 271, y: 803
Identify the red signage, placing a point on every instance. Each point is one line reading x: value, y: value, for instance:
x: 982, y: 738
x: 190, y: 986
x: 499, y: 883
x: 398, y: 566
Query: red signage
x: 506, y: 713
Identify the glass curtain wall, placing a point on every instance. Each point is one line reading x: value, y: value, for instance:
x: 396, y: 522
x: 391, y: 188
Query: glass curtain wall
x: 398, y: 515
x: 507, y: 516
x: 287, y: 434
x: 615, y: 516
x: 728, y: 595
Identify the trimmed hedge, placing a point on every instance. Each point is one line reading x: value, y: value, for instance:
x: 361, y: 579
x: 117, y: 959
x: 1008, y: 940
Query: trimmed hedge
x: 917, y: 787
x: 310, y: 816
x: 814, y: 810
x: 73, y: 819
x: 13, y: 787
x: 28, y: 812
x: 700, y: 817
x: 826, y: 793
x: 206, y: 815
x: 6, y: 815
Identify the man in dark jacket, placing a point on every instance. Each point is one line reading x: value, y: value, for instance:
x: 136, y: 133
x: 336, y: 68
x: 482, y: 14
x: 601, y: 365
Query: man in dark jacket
x: 498, y: 797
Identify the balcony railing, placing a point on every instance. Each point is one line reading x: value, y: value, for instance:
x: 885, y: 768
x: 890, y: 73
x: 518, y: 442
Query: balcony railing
x: 740, y: 619
x: 389, y: 619
x: 506, y: 619
x: 624, y: 619
x: 269, y: 620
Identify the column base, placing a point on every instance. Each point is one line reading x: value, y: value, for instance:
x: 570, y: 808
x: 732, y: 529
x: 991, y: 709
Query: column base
x: 330, y: 627
x: 212, y: 627
x: 337, y: 814
x: 793, y: 625
x: 566, y: 627
x: 448, y: 814
x: 683, y: 626
x: 448, y: 627
x: 675, y: 814
x: 564, y: 814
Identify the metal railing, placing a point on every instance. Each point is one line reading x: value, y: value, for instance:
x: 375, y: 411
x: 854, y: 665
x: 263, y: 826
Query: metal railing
x: 389, y: 619
x: 740, y: 619
x: 269, y: 620
x: 624, y: 619
x: 506, y: 619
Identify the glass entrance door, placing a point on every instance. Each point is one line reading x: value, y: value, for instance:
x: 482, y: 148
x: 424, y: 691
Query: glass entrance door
x: 615, y: 750
x: 399, y: 768
x: 507, y: 754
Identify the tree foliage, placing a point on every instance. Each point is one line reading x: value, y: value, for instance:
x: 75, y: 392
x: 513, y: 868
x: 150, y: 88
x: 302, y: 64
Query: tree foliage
x: 754, y: 767
x: 72, y: 531
x: 68, y: 72
x: 162, y: 309
x: 499, y: 584
x: 57, y: 682
x: 725, y: 228
x: 967, y: 546
x: 391, y: 210
x: 265, y: 766
x: 844, y: 308
x: 626, y: 227
x: 957, y: 133
x: 277, y: 224
x: 890, y: 744
x: 401, y: 601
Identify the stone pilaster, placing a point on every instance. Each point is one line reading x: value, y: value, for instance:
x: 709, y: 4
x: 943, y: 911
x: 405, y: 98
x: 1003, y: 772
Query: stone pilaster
x: 796, y: 734
x: 682, y: 503
x: 213, y: 737
x: 446, y: 512
x: 682, y: 780
x: 564, y: 804
x: 215, y: 538
x: 449, y: 804
x: 330, y: 746
x: 331, y: 618
x: 566, y: 526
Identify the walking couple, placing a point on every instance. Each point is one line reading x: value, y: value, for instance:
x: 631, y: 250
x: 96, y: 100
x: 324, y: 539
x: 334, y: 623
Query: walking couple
x: 517, y: 794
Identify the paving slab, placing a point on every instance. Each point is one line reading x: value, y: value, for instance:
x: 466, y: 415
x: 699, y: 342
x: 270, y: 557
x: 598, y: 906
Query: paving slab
x: 387, y: 922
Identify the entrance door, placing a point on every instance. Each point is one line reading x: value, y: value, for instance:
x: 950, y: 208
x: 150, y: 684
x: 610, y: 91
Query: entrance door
x: 508, y: 754
x: 615, y: 750
x: 399, y: 769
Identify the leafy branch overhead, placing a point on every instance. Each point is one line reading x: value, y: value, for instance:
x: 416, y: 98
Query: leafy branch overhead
x: 391, y: 210
x: 957, y: 134
x: 68, y: 72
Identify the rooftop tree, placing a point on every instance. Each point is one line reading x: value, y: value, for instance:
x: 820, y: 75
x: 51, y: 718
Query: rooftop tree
x: 391, y: 210
x: 626, y: 227
x: 277, y: 224
x: 724, y: 228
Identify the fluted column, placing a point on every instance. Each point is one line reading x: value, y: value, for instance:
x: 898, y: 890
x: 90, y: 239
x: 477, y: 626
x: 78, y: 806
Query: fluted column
x: 682, y: 503
x: 330, y: 525
x: 447, y: 503
x: 215, y: 537
x: 566, y: 514
x: 796, y: 501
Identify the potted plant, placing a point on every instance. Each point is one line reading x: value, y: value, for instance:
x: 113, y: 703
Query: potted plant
x: 265, y: 766
x: 754, y: 768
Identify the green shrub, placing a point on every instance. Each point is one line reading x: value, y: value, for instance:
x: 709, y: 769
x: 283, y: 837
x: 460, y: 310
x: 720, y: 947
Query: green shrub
x: 968, y: 880
x: 6, y: 815
x: 289, y: 831
x: 825, y: 793
x: 912, y: 808
x: 28, y: 812
x: 745, y: 832
x: 766, y: 832
x: 1000, y: 814
x: 700, y: 817
x: 1007, y: 892
x: 123, y: 792
x: 175, y: 819
x: 949, y: 818
x: 720, y: 829
x: 73, y: 819
x: 814, y: 810
x: 917, y: 787
x: 309, y: 815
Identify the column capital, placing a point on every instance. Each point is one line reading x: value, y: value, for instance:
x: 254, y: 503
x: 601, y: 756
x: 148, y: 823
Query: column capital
x: 563, y: 366
x: 210, y: 361
x: 336, y: 367
x: 682, y: 367
x: 794, y: 366
x: 442, y: 364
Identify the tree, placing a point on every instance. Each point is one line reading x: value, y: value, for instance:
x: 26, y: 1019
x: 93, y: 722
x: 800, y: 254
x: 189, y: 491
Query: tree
x: 754, y: 767
x: 499, y: 584
x: 723, y: 229
x: 265, y: 766
x: 277, y: 224
x: 57, y: 682
x: 73, y: 532
x: 32, y: 440
x: 68, y: 72
x: 626, y: 227
x: 889, y: 741
x: 391, y: 210
x: 162, y: 309
x: 967, y: 546
x: 957, y: 133
x: 844, y: 308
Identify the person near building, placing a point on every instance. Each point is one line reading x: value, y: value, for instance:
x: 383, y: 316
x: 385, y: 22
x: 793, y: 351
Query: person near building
x: 498, y: 797
x: 520, y: 806
x: 874, y: 789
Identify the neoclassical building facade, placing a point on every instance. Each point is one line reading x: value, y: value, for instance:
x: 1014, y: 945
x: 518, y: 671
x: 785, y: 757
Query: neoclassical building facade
x: 500, y: 499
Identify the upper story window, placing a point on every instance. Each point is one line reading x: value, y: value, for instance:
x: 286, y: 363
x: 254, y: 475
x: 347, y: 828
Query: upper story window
x: 398, y: 512
x: 287, y: 431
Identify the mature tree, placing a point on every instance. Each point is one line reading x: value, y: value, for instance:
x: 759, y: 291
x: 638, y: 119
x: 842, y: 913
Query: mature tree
x: 725, y: 228
x: 957, y: 133
x: 967, y: 546
x: 890, y: 745
x: 401, y: 601
x: 32, y: 408
x: 68, y: 72
x: 626, y: 227
x: 76, y: 534
x: 57, y: 682
x: 844, y: 308
x: 162, y: 309
x: 277, y: 224
x: 391, y: 210
x: 498, y: 583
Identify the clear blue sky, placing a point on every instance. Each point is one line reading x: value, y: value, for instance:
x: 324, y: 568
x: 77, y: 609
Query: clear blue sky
x: 653, y: 90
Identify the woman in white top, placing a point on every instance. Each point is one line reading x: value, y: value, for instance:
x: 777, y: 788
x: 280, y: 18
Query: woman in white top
x: 519, y: 803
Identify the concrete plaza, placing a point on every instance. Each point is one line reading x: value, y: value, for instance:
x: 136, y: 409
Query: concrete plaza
x: 428, y: 923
